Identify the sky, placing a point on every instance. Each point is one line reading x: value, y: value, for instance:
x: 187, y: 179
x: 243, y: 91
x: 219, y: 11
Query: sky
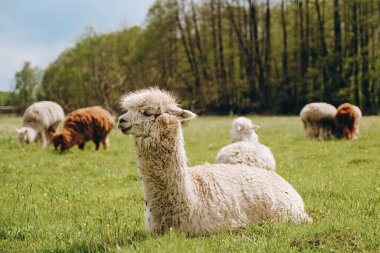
x: 38, y: 31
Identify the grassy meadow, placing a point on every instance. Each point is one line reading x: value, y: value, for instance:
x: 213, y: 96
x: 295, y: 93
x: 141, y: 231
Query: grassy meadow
x: 87, y: 201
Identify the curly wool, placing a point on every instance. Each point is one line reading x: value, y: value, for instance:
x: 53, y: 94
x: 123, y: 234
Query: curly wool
x: 39, y: 121
x: 204, y: 199
x: 82, y: 125
x: 245, y: 147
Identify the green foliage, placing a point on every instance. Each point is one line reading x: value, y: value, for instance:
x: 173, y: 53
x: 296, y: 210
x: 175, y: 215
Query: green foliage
x: 27, y: 86
x: 6, y: 97
x: 87, y: 201
x: 216, y: 62
x: 92, y: 72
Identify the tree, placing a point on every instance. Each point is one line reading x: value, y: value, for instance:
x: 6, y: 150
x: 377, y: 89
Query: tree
x: 27, y: 82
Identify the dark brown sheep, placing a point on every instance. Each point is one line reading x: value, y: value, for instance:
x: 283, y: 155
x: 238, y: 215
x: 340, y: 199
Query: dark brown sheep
x: 82, y: 125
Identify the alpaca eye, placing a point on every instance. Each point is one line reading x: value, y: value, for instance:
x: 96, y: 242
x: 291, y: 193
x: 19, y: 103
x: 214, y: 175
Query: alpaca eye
x: 146, y: 113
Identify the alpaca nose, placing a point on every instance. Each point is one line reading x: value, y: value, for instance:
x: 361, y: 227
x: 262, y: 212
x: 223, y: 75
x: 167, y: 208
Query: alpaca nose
x: 121, y: 121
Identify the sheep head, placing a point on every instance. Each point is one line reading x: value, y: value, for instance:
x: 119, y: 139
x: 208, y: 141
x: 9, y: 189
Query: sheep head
x: 149, y: 111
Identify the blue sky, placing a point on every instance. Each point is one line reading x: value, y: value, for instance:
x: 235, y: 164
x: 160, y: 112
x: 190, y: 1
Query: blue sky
x: 39, y: 30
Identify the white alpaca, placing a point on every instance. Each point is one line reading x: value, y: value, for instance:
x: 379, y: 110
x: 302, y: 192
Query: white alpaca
x: 39, y: 121
x: 203, y: 199
x: 245, y: 147
x: 319, y: 120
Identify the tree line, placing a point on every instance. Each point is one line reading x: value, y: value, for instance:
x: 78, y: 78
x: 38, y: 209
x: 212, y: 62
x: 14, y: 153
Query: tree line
x: 227, y: 56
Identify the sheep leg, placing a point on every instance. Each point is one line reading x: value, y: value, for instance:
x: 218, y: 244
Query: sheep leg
x: 81, y: 146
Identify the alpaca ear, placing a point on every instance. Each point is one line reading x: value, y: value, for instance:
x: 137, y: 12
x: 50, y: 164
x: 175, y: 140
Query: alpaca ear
x: 254, y: 127
x: 20, y: 130
x: 183, y: 115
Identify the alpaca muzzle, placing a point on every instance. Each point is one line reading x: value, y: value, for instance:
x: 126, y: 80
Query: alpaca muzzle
x: 123, y: 125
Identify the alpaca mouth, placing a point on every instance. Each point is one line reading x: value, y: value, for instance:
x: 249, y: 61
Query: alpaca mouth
x: 125, y: 129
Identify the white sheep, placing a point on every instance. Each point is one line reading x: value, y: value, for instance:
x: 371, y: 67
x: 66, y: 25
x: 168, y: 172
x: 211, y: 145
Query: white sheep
x: 319, y: 120
x: 39, y: 121
x: 245, y: 147
x: 203, y: 199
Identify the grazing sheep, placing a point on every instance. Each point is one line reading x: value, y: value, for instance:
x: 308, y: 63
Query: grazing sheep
x: 245, y: 147
x: 90, y: 123
x: 39, y: 121
x: 319, y: 120
x: 347, y: 120
x: 203, y: 199
x: 323, y: 121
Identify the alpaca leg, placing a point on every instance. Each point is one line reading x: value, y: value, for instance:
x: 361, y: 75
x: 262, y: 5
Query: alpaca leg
x: 356, y: 132
x: 97, y: 143
x: 54, y: 127
x: 81, y: 146
x: 106, y: 142
x: 44, y: 138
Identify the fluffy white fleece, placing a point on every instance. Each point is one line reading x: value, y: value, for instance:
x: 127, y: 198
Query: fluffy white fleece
x: 319, y: 120
x: 39, y: 121
x: 245, y: 147
x: 203, y: 199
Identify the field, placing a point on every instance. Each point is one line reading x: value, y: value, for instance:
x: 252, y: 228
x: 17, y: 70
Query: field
x: 87, y: 201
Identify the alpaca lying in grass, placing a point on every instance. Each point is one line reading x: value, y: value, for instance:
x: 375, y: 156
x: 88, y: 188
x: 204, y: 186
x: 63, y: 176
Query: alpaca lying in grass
x: 82, y: 125
x: 323, y: 121
x: 245, y: 147
x: 39, y: 121
x: 204, y: 199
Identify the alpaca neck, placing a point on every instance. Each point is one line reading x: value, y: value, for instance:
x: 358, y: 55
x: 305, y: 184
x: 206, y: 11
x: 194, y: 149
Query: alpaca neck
x: 250, y: 137
x: 162, y: 166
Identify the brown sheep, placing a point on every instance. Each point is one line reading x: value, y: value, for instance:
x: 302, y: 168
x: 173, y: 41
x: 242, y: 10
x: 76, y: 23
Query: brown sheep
x: 82, y: 125
x: 347, y: 120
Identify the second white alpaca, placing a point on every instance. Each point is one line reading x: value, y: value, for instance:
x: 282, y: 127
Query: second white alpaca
x: 39, y: 121
x: 245, y: 147
x: 319, y: 120
x: 203, y: 199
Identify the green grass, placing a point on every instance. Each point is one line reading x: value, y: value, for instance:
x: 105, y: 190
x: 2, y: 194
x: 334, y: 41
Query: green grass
x: 87, y: 201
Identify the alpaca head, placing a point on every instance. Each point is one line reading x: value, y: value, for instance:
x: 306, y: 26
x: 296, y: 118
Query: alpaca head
x: 25, y: 135
x: 61, y: 141
x: 148, y: 112
x: 243, y: 130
